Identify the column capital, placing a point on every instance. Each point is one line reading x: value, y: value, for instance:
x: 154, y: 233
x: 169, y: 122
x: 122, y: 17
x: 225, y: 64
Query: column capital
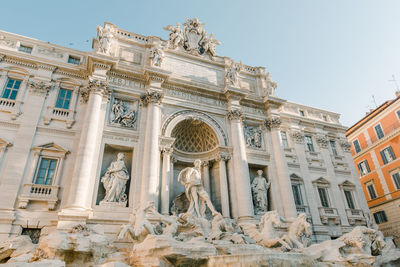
x: 95, y: 86
x: 223, y: 157
x: 272, y: 122
x: 40, y: 87
x: 167, y: 150
x: 205, y: 163
x: 235, y: 114
x: 151, y: 97
x: 298, y: 137
x: 322, y: 141
x: 345, y: 145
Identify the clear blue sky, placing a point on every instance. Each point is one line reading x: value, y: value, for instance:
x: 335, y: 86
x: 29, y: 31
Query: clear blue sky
x: 328, y: 54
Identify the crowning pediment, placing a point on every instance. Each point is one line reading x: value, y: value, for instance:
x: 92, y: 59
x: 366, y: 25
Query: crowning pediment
x: 321, y: 180
x: 347, y: 184
x: 51, y: 147
x: 295, y: 177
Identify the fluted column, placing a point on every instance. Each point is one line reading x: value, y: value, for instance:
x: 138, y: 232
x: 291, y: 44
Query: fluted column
x: 151, y: 151
x: 165, y: 180
x: 240, y: 166
x: 285, y: 186
x: 223, y: 184
x: 206, y: 176
x: 79, y: 197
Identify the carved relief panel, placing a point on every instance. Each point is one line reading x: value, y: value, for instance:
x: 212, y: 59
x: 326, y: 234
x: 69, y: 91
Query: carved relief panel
x: 253, y: 136
x: 124, y: 113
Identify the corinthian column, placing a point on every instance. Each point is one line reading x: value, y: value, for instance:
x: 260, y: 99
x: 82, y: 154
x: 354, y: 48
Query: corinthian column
x: 273, y: 124
x: 240, y: 166
x: 79, y: 194
x: 165, y: 180
x: 151, y: 151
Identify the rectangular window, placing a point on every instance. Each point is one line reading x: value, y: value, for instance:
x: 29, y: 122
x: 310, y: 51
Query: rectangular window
x: 333, y: 147
x: 302, y: 113
x: 309, y: 143
x: 25, y: 49
x: 379, y: 131
x: 45, y: 172
x: 349, y: 199
x: 371, y: 191
x: 398, y: 114
x: 298, y: 200
x: 64, y: 99
x: 380, y: 217
x: 396, y: 179
x: 325, y: 118
x: 323, y: 196
x: 387, y: 155
x: 73, y: 60
x: 357, y: 146
x: 363, y: 167
x: 284, y: 140
x: 11, y: 89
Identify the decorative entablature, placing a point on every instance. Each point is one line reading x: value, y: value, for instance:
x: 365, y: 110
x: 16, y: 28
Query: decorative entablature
x: 306, y: 113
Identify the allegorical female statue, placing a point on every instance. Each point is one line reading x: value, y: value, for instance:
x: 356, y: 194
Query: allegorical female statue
x: 114, y: 181
x: 260, y: 187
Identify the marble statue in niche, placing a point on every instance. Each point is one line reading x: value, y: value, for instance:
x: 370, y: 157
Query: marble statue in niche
x: 123, y: 115
x: 253, y: 136
x: 198, y: 197
x: 114, y: 181
x: 259, y: 188
x: 232, y: 74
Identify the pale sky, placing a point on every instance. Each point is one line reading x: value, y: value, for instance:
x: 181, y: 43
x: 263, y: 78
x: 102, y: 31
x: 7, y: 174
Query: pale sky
x: 334, y: 55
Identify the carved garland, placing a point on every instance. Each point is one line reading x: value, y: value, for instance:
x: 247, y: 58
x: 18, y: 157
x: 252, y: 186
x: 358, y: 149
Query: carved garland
x: 345, y: 145
x: 322, y: 141
x: 298, y: 137
x: 40, y: 87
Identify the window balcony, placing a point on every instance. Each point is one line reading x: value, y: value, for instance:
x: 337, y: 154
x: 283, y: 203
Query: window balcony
x: 327, y: 214
x: 59, y: 114
x: 38, y: 192
x: 354, y: 215
x: 10, y: 106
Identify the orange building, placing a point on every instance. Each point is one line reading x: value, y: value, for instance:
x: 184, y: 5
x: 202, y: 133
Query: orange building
x: 375, y: 148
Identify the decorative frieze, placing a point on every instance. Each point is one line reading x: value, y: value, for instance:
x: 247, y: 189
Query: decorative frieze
x: 298, y: 137
x: 50, y: 52
x: 322, y: 141
x: 273, y: 122
x: 235, y: 114
x: 151, y: 97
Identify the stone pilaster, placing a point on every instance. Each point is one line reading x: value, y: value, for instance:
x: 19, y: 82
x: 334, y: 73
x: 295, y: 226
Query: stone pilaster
x: 240, y: 166
x: 272, y: 124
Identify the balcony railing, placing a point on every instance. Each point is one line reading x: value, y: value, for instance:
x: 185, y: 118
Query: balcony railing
x: 354, y: 215
x: 10, y: 106
x: 374, y: 139
x: 38, y: 192
x: 329, y: 213
x: 59, y: 114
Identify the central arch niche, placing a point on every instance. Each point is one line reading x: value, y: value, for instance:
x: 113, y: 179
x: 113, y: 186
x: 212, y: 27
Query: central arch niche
x: 196, y: 139
x: 194, y: 136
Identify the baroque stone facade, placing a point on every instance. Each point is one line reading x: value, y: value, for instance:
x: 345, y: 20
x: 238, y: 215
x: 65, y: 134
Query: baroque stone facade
x: 91, y: 137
